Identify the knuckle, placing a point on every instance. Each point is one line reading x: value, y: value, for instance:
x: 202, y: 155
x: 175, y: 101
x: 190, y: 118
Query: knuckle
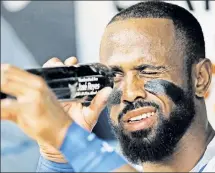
x: 40, y: 90
x: 37, y: 95
x: 40, y: 84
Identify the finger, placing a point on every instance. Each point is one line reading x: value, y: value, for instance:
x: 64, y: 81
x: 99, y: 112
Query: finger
x: 99, y: 102
x: 12, y: 73
x: 71, y: 61
x: 8, y: 111
x: 53, y: 62
x: 14, y: 88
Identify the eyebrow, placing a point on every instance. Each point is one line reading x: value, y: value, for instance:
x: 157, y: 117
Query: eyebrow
x: 147, y: 66
x: 116, y: 68
x: 140, y: 67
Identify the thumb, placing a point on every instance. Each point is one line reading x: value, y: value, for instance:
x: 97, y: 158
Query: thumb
x: 99, y: 102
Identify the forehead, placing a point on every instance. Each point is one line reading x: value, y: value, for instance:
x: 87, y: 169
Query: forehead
x: 135, y: 40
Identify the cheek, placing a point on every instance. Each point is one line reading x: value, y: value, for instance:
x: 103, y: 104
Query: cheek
x: 169, y: 93
x: 164, y: 103
x: 165, y: 88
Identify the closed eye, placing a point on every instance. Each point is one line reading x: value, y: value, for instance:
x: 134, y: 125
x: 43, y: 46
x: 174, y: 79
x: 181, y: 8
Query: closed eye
x: 149, y: 72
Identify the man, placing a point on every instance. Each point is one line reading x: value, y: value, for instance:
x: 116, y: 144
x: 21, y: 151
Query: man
x: 156, y: 107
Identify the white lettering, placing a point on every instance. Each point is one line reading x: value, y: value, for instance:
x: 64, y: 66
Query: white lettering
x: 82, y: 87
x: 93, y: 86
x: 88, y: 79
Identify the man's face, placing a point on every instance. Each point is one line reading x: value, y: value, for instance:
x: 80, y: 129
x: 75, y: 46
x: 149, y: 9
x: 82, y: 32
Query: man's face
x: 152, y: 102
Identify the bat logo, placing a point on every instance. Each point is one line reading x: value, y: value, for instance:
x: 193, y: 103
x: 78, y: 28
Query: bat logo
x: 73, y: 90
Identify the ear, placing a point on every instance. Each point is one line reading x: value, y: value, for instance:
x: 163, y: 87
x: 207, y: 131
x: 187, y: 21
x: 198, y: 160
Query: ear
x: 203, y: 77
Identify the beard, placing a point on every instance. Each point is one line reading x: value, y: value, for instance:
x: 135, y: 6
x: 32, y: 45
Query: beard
x: 156, y: 144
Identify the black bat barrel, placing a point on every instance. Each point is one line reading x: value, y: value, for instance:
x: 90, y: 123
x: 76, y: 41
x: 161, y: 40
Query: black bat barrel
x: 75, y: 82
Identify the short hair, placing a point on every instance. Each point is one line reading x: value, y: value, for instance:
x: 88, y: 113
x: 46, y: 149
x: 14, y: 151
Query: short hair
x: 183, y: 20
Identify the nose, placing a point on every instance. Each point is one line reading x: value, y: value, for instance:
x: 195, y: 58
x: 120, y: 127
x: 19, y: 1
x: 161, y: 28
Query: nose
x: 133, y: 89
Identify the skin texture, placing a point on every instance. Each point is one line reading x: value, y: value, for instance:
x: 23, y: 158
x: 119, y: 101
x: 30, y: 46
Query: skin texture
x: 156, y: 86
x: 32, y: 93
x: 127, y: 44
x: 131, y: 43
x: 157, y: 142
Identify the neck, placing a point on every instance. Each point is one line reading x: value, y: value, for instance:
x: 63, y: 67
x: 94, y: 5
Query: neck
x: 189, y: 151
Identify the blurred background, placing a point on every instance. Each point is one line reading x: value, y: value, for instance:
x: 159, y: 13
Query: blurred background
x: 34, y: 31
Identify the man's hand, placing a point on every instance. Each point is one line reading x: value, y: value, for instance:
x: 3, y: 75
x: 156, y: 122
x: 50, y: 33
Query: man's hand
x: 37, y: 110
x: 86, y: 117
x: 87, y: 121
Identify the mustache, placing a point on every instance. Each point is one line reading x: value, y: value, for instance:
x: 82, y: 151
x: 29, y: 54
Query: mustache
x: 135, y: 105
